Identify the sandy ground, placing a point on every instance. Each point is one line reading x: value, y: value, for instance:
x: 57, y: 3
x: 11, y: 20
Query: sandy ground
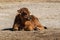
x: 38, y: 1
x: 48, y: 14
x: 49, y: 34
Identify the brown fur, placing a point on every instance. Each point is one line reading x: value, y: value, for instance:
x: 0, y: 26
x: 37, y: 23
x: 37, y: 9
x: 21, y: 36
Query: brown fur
x: 33, y: 23
x: 26, y: 21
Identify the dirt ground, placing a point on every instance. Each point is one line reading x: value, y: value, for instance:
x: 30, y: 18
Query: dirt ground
x: 30, y: 1
x: 49, y: 34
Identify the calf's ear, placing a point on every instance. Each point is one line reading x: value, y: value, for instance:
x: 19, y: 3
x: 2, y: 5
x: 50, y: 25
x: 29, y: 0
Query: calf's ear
x: 19, y: 11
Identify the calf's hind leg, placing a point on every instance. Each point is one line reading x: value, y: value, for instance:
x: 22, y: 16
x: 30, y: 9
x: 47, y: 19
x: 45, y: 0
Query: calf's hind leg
x: 29, y: 26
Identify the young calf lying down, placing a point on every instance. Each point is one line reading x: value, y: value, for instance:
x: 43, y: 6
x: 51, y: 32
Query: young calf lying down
x: 25, y: 21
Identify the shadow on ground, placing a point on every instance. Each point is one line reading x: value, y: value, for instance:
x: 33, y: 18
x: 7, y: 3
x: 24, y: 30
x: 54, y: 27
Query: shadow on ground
x: 10, y: 29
